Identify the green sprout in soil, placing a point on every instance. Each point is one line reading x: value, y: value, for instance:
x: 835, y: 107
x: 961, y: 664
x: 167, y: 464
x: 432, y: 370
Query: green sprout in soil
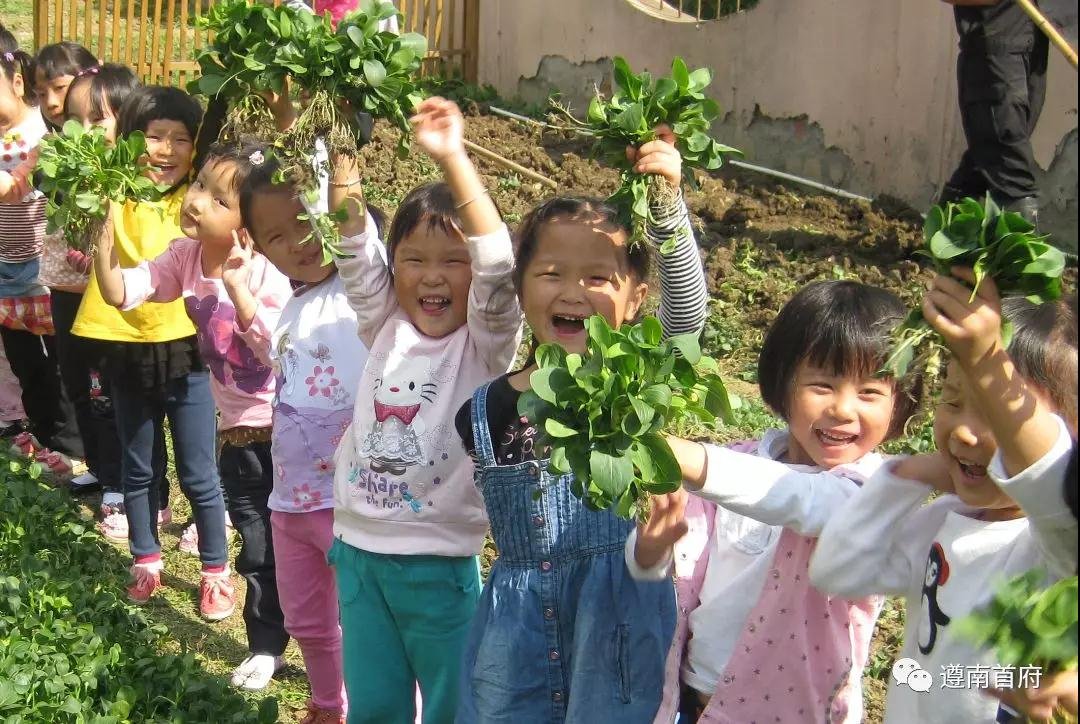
x: 996, y: 244
x: 639, y: 104
x: 82, y: 172
x: 601, y: 414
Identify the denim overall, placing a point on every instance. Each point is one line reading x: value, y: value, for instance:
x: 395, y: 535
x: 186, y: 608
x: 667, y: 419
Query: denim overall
x: 562, y: 632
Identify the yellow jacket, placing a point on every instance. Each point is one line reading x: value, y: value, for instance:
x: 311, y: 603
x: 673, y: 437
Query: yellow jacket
x: 142, y: 231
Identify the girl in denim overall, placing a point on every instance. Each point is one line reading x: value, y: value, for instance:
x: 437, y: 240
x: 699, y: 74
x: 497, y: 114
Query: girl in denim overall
x: 562, y: 632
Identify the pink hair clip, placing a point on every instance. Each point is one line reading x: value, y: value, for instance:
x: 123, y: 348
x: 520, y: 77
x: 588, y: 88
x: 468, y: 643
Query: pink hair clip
x: 9, y: 57
x: 256, y: 158
x: 92, y: 70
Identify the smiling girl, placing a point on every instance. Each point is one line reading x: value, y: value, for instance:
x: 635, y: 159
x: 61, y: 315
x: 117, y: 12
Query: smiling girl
x: 153, y: 357
x: 755, y: 641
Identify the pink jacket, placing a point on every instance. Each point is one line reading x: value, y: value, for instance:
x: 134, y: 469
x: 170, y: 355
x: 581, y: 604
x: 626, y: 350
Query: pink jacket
x: 800, y: 656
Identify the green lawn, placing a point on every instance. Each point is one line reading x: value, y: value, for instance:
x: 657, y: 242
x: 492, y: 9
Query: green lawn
x: 18, y: 17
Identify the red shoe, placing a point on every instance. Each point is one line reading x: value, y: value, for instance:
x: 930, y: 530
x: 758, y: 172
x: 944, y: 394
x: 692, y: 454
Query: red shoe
x: 217, y: 599
x: 145, y: 578
x: 58, y: 466
x: 316, y: 715
x: 25, y: 443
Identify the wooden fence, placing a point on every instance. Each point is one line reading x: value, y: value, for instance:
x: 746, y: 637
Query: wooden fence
x: 158, y: 38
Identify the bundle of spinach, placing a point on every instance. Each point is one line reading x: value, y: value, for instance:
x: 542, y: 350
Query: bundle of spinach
x: 241, y: 61
x: 639, y: 104
x: 81, y: 173
x: 1027, y: 624
x: 999, y: 245
x: 602, y: 413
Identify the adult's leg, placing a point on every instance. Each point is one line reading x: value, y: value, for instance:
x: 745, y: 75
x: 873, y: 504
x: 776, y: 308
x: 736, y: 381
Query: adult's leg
x: 309, y: 601
x: 247, y: 473
x: 192, y: 419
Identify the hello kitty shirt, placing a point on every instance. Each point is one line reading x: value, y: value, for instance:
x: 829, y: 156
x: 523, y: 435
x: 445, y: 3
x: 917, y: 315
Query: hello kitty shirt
x: 403, y: 484
x: 242, y: 380
x: 318, y: 358
x: 22, y: 225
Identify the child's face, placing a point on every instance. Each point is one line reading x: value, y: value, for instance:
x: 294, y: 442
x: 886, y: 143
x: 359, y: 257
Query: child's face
x: 432, y: 277
x: 80, y: 109
x: 965, y: 441
x: 51, y: 94
x: 279, y: 235
x: 836, y: 419
x: 578, y: 270
x: 211, y: 208
x: 12, y: 105
x: 169, y: 147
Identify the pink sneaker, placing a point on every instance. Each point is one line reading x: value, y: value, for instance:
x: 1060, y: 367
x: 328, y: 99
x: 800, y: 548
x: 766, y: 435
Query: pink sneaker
x: 164, y: 517
x: 145, y: 578
x: 189, y: 540
x: 217, y: 599
x: 114, y: 526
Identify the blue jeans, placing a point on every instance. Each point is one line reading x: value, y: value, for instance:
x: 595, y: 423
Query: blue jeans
x: 190, y: 409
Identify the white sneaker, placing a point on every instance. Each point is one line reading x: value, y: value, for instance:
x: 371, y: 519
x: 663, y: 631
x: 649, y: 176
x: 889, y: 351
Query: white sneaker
x: 85, y: 480
x: 255, y: 672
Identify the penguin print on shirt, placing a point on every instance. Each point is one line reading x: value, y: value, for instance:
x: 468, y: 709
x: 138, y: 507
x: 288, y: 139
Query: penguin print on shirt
x: 937, y: 575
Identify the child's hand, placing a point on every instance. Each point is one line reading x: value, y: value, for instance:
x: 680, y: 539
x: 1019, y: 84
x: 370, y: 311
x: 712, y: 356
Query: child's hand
x: 12, y: 188
x: 658, y: 157
x: 439, y: 128
x: 1039, y: 704
x: 79, y: 262
x: 666, y: 525
x: 281, y: 106
x: 970, y: 327
x: 929, y: 469
x: 236, y: 272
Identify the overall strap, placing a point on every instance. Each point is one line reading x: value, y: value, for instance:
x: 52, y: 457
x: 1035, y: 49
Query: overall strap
x: 485, y: 452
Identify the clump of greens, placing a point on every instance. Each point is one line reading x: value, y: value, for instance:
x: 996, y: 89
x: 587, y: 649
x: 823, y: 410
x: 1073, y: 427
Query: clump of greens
x: 241, y: 61
x: 639, y: 104
x: 1028, y: 624
x: 999, y: 245
x: 602, y: 413
x: 82, y: 172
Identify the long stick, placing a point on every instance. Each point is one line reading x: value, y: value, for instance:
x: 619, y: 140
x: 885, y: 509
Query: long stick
x: 492, y: 156
x: 1047, y: 27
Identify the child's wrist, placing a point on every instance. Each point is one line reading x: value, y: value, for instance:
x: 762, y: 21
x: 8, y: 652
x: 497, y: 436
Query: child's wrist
x: 452, y: 158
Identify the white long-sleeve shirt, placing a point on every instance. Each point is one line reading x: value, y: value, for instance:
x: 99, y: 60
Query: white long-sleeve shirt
x: 947, y: 563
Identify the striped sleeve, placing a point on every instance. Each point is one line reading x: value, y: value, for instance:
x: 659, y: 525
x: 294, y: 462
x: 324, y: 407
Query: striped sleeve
x: 684, y: 297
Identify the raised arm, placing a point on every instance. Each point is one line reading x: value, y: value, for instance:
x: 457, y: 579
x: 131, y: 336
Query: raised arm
x: 107, y: 264
x: 684, y: 296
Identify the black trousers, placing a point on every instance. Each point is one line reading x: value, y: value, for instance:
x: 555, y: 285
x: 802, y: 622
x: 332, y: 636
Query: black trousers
x: 87, y: 385
x: 247, y: 474
x: 1001, y: 97
x: 33, y: 360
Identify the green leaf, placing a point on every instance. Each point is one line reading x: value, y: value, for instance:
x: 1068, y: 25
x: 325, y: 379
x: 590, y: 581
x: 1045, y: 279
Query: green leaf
x: 680, y: 74
x: 374, y: 72
x: 611, y: 473
x: 556, y: 429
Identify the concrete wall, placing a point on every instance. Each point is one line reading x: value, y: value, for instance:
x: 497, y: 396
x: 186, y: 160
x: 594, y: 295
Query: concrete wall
x: 853, y: 93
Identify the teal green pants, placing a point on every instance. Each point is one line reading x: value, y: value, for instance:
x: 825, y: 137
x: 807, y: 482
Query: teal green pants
x: 404, y: 621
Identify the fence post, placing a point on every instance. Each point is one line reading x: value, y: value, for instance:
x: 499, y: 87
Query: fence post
x: 472, y: 41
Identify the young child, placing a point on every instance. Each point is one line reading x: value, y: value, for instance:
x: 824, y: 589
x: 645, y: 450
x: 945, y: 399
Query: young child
x: 153, y: 358
x: 94, y: 99
x: 563, y: 633
x: 234, y: 297
x: 755, y: 641
x: 318, y: 359
x: 407, y: 521
x: 993, y: 451
x: 55, y: 67
x: 26, y: 325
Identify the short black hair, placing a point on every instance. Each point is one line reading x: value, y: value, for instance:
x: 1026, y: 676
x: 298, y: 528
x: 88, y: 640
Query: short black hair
x: 110, y: 85
x: 159, y: 103
x: 8, y: 44
x: 65, y: 58
x: 258, y: 180
x: 571, y: 208
x: 431, y: 204
x: 16, y: 62
x: 1044, y: 349
x: 245, y: 155
x: 839, y: 325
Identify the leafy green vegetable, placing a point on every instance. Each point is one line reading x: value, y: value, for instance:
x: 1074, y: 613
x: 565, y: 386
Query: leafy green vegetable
x: 1028, y: 624
x: 82, y: 173
x: 72, y: 649
x: 640, y: 104
x: 1000, y: 245
x: 602, y: 413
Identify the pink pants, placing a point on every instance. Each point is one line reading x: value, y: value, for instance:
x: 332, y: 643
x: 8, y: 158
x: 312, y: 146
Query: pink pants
x: 308, y: 594
x: 11, y: 409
